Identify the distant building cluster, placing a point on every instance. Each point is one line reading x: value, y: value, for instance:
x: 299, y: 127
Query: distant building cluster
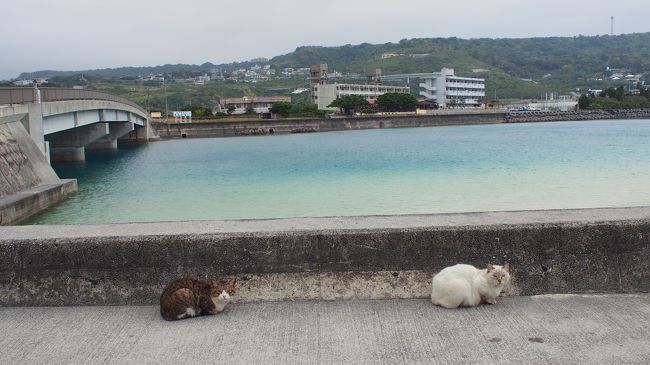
x: 324, y: 92
x: 160, y: 79
x: 31, y: 82
x: 550, y: 102
x: 256, y: 104
x: 254, y: 74
x: 439, y: 89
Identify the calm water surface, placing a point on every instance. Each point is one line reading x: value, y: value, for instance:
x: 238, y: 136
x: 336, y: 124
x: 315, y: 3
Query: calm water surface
x: 372, y: 172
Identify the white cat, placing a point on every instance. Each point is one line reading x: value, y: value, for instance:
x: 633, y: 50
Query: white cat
x: 465, y: 285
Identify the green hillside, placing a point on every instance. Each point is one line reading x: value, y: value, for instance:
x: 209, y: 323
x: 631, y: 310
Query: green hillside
x: 513, y: 68
x: 548, y: 64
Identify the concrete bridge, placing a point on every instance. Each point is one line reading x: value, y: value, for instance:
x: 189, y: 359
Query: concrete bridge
x: 42, y: 125
x: 65, y: 122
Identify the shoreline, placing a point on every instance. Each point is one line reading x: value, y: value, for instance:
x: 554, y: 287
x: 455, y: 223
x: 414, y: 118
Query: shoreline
x: 216, y: 129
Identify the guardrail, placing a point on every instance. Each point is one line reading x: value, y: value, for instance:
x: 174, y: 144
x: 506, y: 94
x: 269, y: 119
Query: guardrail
x: 22, y: 95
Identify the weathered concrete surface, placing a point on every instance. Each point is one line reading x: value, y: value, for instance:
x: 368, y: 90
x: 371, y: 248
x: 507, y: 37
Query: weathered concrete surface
x: 28, y: 184
x: 264, y: 126
x: 441, y: 118
x: 573, y: 251
x: 52, y: 108
x: 26, y: 203
x: 16, y: 170
x: 109, y: 142
x: 556, y: 329
x: 68, y: 145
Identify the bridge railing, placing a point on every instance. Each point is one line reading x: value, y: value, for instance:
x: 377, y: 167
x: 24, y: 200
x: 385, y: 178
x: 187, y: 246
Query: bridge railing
x: 22, y: 95
x: 16, y: 95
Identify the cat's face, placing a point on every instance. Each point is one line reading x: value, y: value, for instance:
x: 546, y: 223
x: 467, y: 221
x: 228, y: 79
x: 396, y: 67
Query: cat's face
x: 229, y: 285
x: 498, y: 275
x: 224, y: 296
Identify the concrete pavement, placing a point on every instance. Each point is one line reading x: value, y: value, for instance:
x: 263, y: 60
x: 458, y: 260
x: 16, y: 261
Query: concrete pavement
x: 548, y: 329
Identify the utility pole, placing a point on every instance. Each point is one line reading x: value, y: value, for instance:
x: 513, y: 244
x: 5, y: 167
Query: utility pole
x: 165, y: 91
x: 612, y: 25
x: 148, y: 109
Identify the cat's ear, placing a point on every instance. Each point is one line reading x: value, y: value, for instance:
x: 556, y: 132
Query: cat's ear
x: 506, y: 267
x: 489, y: 267
x: 232, y: 284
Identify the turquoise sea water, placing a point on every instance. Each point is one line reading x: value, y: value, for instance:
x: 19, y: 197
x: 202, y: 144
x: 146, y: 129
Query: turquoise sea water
x: 371, y: 172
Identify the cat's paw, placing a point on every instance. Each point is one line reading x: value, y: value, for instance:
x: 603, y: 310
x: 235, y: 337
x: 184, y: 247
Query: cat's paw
x: 490, y: 300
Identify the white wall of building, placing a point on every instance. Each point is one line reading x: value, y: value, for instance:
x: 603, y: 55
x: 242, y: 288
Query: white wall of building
x: 446, y: 89
x: 325, y: 94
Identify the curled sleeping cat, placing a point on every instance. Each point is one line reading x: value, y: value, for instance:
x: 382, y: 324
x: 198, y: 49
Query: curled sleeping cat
x: 466, y: 285
x: 187, y: 297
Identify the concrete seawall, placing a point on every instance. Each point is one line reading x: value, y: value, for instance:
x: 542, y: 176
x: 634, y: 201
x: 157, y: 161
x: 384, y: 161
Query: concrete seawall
x: 563, y: 251
x: 443, y: 118
x: 283, y: 126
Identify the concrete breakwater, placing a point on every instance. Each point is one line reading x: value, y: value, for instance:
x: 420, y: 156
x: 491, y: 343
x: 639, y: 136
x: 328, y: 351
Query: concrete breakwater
x: 373, y: 257
x: 556, y: 116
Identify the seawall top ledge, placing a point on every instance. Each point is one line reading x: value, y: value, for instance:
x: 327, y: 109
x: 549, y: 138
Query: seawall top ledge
x: 392, y: 222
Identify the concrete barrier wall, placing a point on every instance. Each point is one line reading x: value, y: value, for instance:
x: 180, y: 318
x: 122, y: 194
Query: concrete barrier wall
x: 234, y: 129
x: 573, y: 251
x: 26, y: 203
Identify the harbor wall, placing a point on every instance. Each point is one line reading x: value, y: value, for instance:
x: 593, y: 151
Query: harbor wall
x: 284, y: 126
x: 441, y: 118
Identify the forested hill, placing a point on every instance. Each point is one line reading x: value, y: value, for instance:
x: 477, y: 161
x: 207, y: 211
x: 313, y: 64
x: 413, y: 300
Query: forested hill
x: 524, y: 57
x: 508, y: 64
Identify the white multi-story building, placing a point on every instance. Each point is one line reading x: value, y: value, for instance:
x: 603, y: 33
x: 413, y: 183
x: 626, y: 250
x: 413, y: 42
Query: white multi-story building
x: 448, y: 90
x: 324, y: 94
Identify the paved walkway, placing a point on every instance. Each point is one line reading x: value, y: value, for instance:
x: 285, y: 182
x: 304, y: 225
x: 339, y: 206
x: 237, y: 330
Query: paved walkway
x: 557, y: 329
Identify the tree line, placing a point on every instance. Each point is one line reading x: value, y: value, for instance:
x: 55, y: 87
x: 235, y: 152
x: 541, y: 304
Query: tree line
x: 389, y: 102
x: 615, y: 98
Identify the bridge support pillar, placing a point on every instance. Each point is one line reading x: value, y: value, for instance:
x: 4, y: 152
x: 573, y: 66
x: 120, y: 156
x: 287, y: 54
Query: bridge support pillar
x: 109, y: 142
x: 103, y: 145
x: 34, y: 125
x: 67, y: 154
x: 68, y: 146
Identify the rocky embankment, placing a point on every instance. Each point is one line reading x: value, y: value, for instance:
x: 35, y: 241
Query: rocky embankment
x: 552, y: 116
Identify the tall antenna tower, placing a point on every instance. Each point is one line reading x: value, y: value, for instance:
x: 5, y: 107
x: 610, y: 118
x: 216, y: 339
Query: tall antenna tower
x: 612, y: 25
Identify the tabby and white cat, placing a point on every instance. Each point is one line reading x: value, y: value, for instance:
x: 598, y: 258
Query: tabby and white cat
x: 187, y: 297
x: 466, y: 285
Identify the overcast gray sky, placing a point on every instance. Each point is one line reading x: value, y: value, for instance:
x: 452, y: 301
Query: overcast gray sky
x: 88, y: 34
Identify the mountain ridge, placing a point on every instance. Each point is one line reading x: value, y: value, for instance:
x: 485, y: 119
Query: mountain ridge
x: 531, y: 58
